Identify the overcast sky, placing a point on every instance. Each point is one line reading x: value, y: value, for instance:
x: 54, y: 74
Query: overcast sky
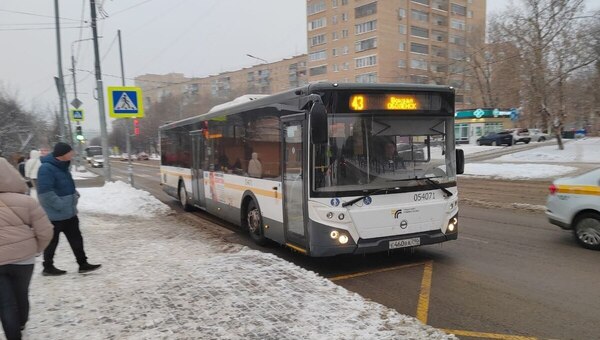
x: 194, y: 37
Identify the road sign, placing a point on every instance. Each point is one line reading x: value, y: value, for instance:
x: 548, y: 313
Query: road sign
x: 125, y: 102
x: 76, y: 115
x: 76, y: 103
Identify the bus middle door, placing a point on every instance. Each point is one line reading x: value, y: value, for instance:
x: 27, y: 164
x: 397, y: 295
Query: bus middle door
x: 198, y: 155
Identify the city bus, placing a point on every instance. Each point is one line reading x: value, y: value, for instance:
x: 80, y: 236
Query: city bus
x: 91, y: 151
x: 325, y: 169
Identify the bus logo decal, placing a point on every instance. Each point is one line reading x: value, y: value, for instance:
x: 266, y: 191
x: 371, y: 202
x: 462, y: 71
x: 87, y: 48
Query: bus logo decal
x: 404, y: 224
x: 367, y: 200
x: 397, y: 213
x: 335, y: 202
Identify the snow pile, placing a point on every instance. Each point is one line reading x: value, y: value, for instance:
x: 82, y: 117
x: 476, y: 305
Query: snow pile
x: 166, y: 279
x: 119, y: 198
x: 517, y: 171
x: 83, y: 174
x: 585, y: 150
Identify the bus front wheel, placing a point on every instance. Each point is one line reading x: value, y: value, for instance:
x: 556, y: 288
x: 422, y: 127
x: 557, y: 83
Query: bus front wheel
x: 255, y: 225
x: 183, y: 198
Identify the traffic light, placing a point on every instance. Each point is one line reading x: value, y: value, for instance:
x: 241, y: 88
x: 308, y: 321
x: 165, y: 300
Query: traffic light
x: 78, y: 133
x: 136, y: 127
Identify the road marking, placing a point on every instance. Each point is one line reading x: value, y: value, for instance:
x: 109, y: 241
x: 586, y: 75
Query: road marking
x: 423, y: 305
x: 350, y: 276
x: 488, y: 335
x: 473, y: 239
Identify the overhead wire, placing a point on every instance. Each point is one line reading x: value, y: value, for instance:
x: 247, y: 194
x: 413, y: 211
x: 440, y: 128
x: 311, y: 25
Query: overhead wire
x: 35, y: 14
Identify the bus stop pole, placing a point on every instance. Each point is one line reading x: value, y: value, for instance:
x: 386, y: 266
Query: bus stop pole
x: 127, y: 120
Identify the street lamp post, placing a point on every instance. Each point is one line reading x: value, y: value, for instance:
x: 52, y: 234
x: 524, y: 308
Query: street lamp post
x: 257, y: 58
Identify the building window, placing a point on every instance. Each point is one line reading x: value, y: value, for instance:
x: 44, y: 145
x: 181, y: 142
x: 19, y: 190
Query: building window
x: 469, y: 14
x: 364, y: 45
x: 422, y: 2
x: 402, y: 63
x: 458, y: 9
x: 344, y: 34
x: 345, y: 50
x: 417, y: 79
x: 335, y: 35
x: 365, y: 27
x: 334, y: 19
x: 401, y: 13
x: 456, y: 83
x: 455, y: 39
x: 366, y: 61
x: 367, y: 78
x: 419, y: 32
x: 365, y: 10
x: 457, y: 54
x: 316, y: 24
x: 459, y: 98
x: 438, y: 36
x: 418, y: 64
x: 461, y: 132
x: 344, y: 2
x: 344, y: 16
x: 402, y: 29
x: 457, y: 24
x: 315, y: 7
x: 402, y: 46
x: 346, y: 66
x: 319, y: 55
x: 419, y: 48
x: 442, y: 5
x: 318, y: 40
x: 336, y: 68
x: 315, y: 71
x: 419, y: 15
x: 334, y: 3
x: 334, y: 52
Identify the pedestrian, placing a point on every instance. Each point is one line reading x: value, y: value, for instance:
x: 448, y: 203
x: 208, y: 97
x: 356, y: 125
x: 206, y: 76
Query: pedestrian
x: 24, y: 232
x: 32, y: 167
x: 57, y: 194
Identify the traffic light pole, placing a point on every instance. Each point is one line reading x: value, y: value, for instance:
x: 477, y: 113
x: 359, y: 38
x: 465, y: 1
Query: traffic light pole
x: 79, y: 146
x: 127, y: 120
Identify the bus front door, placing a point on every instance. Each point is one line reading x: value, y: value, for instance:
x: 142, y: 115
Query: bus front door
x: 197, y: 173
x: 293, y: 183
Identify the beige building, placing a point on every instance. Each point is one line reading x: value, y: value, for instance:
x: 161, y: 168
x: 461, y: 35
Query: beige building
x: 414, y: 41
x: 260, y: 79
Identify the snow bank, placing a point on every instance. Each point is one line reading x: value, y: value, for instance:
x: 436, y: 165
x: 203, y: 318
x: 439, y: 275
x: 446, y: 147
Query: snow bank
x: 585, y: 150
x: 83, y: 174
x: 119, y: 198
x: 517, y: 171
x: 472, y: 149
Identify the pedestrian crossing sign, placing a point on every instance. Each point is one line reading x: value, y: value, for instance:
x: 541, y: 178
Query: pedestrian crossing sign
x: 125, y: 102
x: 76, y: 115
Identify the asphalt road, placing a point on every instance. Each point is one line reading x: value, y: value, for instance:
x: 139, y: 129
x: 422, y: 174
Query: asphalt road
x: 510, y: 275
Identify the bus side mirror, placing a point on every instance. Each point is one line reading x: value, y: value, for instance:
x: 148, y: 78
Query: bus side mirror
x: 318, y: 123
x: 460, y: 161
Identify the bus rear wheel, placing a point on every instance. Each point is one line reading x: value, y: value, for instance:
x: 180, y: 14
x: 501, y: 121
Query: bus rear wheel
x: 255, y: 225
x: 183, y: 198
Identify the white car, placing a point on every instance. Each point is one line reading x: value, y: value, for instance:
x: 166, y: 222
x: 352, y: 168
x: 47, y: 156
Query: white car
x: 97, y: 161
x: 574, y: 204
x: 538, y: 136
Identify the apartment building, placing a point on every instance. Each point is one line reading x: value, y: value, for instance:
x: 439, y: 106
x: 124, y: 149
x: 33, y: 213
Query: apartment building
x: 389, y: 41
x: 259, y: 79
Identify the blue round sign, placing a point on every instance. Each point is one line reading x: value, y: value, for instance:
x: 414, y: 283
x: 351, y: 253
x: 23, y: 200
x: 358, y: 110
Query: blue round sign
x: 335, y: 202
x: 367, y: 200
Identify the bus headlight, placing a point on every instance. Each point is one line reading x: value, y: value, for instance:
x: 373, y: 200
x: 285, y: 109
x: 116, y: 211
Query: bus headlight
x: 343, y: 239
x: 330, y: 215
x: 334, y: 234
x: 452, y: 224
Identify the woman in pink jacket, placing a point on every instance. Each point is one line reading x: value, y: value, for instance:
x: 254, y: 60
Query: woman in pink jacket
x: 24, y: 232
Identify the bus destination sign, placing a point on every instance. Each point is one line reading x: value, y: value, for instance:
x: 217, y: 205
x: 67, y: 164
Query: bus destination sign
x: 393, y: 102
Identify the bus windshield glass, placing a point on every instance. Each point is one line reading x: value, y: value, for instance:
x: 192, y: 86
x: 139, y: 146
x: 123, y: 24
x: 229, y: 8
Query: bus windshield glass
x: 378, y: 151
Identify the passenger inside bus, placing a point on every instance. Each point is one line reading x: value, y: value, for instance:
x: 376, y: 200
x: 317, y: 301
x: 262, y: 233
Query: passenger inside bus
x: 254, y: 166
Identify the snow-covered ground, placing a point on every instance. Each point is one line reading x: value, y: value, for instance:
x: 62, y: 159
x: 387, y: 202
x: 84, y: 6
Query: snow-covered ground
x: 586, y: 150
x: 517, y: 171
x: 83, y: 174
x: 473, y: 149
x: 166, y: 278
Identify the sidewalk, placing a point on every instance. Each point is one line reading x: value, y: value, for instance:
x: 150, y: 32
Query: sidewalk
x: 163, y: 277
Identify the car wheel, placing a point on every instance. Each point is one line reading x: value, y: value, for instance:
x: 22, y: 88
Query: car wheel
x: 183, y: 198
x: 255, y: 225
x: 494, y: 143
x: 527, y: 141
x: 542, y: 139
x: 587, y: 231
x: 479, y: 143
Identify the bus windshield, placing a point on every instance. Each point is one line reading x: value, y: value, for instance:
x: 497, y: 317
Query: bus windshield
x: 379, y: 151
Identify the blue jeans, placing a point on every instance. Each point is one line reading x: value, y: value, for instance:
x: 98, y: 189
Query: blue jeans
x: 14, y: 298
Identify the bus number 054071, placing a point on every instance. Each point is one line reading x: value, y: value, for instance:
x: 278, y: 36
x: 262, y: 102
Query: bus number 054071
x: 425, y: 196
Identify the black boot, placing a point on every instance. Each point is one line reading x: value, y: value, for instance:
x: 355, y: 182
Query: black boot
x: 86, y: 267
x: 53, y: 271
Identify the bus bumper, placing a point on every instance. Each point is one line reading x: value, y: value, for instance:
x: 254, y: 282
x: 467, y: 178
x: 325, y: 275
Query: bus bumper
x: 383, y: 243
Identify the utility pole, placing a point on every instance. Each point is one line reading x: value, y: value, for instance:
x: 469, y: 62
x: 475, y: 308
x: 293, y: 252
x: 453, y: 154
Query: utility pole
x: 60, y: 74
x: 100, y: 89
x: 79, y: 150
x: 127, y: 120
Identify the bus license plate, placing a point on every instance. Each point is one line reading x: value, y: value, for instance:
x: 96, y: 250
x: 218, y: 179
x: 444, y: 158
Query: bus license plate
x: 411, y: 242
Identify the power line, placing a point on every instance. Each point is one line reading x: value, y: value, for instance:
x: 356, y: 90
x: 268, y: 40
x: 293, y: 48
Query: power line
x: 128, y: 8
x: 37, y: 28
x: 35, y: 14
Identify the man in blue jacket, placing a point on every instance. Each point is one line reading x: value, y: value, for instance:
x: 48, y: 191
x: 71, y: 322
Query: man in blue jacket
x: 58, y: 197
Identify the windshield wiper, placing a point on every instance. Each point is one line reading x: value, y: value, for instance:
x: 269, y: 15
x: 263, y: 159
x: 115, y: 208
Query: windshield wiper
x: 447, y: 193
x: 373, y: 192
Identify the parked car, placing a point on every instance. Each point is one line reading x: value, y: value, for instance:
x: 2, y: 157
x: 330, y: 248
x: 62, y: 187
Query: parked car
x: 574, y: 204
x: 537, y: 135
x: 125, y: 156
x: 520, y: 136
x: 496, y: 138
x: 142, y: 156
x: 97, y: 161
